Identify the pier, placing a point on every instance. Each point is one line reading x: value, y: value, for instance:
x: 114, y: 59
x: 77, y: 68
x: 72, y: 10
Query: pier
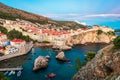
x: 10, y: 69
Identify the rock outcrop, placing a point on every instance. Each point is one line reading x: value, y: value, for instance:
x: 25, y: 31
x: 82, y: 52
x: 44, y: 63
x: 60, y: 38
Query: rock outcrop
x: 105, y: 66
x: 90, y: 37
x: 41, y: 62
x: 61, y: 56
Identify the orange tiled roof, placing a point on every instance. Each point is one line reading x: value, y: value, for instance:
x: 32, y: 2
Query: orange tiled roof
x: 1, y: 47
x: 17, y: 40
x: 1, y: 34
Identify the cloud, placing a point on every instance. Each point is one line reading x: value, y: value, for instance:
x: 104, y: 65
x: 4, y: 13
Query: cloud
x: 79, y: 16
x: 103, y: 15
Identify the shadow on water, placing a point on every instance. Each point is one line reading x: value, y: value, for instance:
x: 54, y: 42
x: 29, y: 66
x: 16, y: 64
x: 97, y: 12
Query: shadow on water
x: 14, y: 62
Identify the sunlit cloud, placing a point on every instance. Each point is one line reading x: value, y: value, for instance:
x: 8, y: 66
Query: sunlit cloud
x: 79, y: 16
x: 103, y: 15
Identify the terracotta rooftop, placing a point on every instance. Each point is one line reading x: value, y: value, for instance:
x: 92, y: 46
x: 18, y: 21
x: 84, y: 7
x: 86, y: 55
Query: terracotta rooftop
x: 17, y: 40
x: 53, y: 32
x: 1, y: 34
x: 1, y: 47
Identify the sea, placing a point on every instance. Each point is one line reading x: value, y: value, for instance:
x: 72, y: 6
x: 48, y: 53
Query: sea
x: 103, y: 21
x: 63, y: 70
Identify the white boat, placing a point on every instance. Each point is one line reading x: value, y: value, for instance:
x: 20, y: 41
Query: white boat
x: 11, y: 72
x: 33, y: 50
x: 6, y: 73
x: 19, y: 73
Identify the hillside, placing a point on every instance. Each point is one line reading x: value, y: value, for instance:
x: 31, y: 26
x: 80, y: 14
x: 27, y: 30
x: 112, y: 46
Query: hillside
x: 105, y: 66
x: 10, y: 13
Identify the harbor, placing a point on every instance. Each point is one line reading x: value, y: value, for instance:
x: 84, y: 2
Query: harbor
x: 59, y: 68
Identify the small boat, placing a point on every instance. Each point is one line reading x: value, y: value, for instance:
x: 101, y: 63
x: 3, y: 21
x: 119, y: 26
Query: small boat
x: 6, y: 73
x: 19, y: 73
x: 33, y: 50
x: 51, y: 75
x: 11, y: 73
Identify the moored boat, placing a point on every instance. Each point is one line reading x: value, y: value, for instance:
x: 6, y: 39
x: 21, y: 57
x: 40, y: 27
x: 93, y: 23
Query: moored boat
x: 11, y: 73
x: 19, y: 73
x: 51, y: 75
x: 6, y: 73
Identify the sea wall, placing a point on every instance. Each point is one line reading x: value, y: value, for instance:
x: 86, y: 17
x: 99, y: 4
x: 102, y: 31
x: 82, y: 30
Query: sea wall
x: 28, y: 47
x: 90, y: 37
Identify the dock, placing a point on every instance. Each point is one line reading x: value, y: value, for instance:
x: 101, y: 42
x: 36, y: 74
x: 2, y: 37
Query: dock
x: 10, y: 69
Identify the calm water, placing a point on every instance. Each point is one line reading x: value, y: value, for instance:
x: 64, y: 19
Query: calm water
x: 103, y: 21
x: 117, y: 33
x: 63, y: 71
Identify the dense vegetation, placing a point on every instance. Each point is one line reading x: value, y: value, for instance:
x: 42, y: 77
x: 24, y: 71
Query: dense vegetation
x: 3, y: 30
x: 16, y: 34
x: 111, y: 33
x: 9, y: 16
x: 116, y: 42
x: 99, y: 32
x: 2, y: 77
x: 90, y: 55
x: 78, y: 64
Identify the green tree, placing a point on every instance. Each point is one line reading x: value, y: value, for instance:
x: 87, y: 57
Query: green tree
x: 78, y: 63
x: 111, y: 33
x: 2, y: 77
x: 3, y: 30
x: 90, y: 55
x: 16, y: 34
x: 99, y: 32
x: 26, y: 38
x: 116, y: 42
x: 5, y: 15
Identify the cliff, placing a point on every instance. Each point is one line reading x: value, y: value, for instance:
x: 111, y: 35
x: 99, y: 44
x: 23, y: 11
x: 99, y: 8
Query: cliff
x: 91, y: 36
x: 104, y: 66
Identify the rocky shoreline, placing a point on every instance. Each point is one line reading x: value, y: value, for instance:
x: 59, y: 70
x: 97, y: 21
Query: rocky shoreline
x: 105, y: 65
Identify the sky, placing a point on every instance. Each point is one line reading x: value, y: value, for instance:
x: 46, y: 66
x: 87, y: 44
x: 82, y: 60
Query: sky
x: 76, y: 10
